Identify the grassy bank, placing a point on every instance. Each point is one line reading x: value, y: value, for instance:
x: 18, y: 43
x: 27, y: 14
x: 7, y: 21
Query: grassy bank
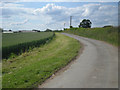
x: 0, y: 75
x: 108, y: 34
x: 34, y: 67
x: 16, y: 43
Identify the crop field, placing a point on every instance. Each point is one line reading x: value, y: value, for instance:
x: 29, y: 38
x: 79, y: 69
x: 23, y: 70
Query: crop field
x: 32, y: 68
x: 108, y: 34
x: 17, y: 43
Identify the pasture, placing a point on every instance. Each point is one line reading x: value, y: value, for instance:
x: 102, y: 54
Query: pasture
x: 16, y: 43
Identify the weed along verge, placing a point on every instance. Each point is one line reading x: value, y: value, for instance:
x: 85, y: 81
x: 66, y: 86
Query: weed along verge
x: 32, y: 68
x: 107, y: 34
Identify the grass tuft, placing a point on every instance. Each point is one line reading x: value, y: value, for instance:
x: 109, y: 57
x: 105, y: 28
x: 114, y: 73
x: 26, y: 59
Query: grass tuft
x: 34, y: 67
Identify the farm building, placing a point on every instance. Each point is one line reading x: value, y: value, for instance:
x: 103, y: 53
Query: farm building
x: 8, y: 31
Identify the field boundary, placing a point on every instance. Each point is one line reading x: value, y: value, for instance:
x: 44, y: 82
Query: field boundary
x: 23, y: 47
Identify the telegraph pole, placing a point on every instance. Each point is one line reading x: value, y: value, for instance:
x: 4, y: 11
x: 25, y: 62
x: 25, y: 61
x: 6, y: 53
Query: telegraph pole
x: 64, y: 25
x: 70, y: 21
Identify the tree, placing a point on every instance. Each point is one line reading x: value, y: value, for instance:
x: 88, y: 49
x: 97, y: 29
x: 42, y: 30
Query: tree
x: 10, y: 30
x: 1, y: 29
x: 48, y: 30
x: 86, y: 23
x: 35, y: 30
x: 107, y: 26
x: 71, y: 26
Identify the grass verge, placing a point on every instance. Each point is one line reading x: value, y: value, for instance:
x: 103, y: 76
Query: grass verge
x: 108, y: 34
x: 34, y: 67
x: 0, y: 76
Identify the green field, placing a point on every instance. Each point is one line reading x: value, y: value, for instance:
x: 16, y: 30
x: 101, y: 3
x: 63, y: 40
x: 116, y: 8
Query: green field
x: 108, y: 34
x: 20, y: 42
x: 32, y: 68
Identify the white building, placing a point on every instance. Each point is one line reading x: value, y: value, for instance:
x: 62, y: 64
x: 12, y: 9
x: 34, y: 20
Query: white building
x: 6, y: 31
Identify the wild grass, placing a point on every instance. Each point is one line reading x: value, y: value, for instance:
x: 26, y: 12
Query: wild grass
x: 0, y: 75
x: 108, y: 34
x: 32, y: 68
x: 16, y: 43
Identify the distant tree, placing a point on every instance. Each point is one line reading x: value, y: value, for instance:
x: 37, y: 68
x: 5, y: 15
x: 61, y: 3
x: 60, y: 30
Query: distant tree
x: 20, y: 31
x: 107, y: 26
x: 48, y: 30
x: 86, y: 23
x: 10, y: 30
x: 119, y: 30
x: 35, y: 30
x: 71, y: 26
x: 57, y: 31
x: 38, y: 30
x: 1, y: 30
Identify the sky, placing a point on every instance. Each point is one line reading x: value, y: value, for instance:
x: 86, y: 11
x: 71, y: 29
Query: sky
x: 40, y: 15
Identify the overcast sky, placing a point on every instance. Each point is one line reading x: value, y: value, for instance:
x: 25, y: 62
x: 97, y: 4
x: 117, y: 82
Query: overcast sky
x: 27, y: 15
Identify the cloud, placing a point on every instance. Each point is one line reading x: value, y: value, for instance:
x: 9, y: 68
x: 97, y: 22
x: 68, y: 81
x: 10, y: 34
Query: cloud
x: 89, y: 9
x: 59, y: 1
x: 9, y: 1
x: 57, y: 13
x: 8, y: 12
x: 20, y: 23
x: 49, y: 9
x: 54, y: 16
x: 119, y: 13
x: 11, y: 5
x: 9, y: 9
x: 98, y: 13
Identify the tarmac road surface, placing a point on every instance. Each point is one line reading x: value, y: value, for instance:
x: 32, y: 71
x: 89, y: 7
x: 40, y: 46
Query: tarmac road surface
x: 96, y: 67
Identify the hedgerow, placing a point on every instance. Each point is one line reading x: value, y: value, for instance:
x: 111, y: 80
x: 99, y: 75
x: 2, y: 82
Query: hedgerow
x: 25, y: 46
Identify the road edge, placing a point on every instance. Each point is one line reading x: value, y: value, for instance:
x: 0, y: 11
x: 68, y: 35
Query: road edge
x: 63, y: 69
